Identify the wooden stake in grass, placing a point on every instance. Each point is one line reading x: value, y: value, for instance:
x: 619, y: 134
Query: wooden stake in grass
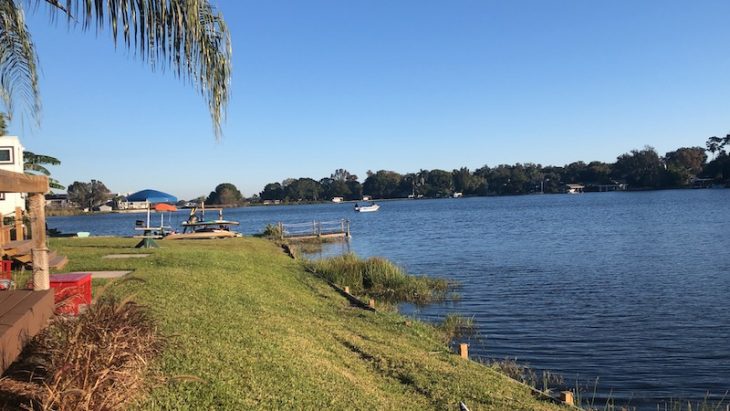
x: 567, y: 397
x: 371, y: 303
x: 347, y: 289
x: 464, y: 350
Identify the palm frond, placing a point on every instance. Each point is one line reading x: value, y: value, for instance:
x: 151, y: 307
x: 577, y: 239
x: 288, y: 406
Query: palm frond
x: 30, y: 157
x: 187, y: 36
x: 53, y: 183
x: 18, y: 61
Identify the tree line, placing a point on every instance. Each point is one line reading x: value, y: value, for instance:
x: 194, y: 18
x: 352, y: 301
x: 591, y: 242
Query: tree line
x: 636, y: 170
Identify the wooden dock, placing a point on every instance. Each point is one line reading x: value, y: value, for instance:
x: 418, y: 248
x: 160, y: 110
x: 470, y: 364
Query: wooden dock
x: 322, y: 230
x: 23, y: 314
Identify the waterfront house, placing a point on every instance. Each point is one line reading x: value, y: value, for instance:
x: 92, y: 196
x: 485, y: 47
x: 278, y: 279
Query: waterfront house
x: 11, y: 159
x: 57, y: 201
x: 337, y: 199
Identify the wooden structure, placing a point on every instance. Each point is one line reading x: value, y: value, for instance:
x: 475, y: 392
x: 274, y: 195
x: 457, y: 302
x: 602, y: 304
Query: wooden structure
x: 315, y: 230
x: 24, y: 313
x: 21, y: 251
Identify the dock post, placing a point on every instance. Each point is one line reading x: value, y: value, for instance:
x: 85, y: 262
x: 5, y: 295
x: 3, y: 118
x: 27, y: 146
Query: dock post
x: 348, y: 228
x: 464, y: 350
x: 567, y: 397
x: 281, y: 230
x: 39, y: 252
x: 19, y: 226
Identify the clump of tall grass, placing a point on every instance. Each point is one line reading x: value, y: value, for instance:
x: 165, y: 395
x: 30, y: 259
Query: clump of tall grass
x: 272, y: 231
x: 380, y: 279
x: 96, y: 361
x: 456, y: 326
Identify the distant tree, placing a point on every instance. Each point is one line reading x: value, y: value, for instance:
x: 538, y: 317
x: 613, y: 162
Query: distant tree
x: 355, y: 189
x: 88, y: 195
x: 640, y: 168
x: 382, y: 184
x: 684, y: 164
x: 716, y: 144
x: 342, y: 175
x: 272, y: 191
x: 34, y: 164
x: 305, y: 189
x: 332, y: 187
x: 225, y: 193
x: 466, y: 182
x: 440, y: 182
x: 3, y: 125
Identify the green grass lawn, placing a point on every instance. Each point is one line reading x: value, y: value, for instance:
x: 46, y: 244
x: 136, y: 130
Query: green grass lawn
x: 259, y: 332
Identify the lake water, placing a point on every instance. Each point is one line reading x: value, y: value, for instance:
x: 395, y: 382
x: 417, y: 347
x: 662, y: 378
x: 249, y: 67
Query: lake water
x: 629, y: 288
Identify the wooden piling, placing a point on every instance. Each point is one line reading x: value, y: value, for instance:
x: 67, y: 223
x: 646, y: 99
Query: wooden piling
x: 464, y: 350
x: 567, y: 397
x: 19, y: 227
x: 39, y: 252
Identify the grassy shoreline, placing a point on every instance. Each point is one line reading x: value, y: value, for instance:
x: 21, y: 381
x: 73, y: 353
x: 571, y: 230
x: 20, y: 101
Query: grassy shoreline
x: 257, y: 331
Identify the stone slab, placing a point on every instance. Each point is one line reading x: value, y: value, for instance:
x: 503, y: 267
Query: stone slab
x: 116, y: 256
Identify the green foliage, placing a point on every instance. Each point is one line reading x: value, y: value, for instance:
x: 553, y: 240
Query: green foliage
x: 640, y: 168
x: 380, y: 279
x: 224, y: 194
x: 34, y: 164
x: 272, y: 231
x: 88, y: 195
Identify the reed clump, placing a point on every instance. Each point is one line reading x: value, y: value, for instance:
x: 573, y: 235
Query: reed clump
x: 379, y: 278
x: 97, y: 361
x: 456, y: 326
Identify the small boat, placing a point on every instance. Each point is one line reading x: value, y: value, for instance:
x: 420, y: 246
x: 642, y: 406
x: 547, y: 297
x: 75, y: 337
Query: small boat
x: 366, y: 208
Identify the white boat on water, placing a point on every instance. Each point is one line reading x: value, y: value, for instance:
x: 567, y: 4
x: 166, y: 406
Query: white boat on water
x: 366, y: 208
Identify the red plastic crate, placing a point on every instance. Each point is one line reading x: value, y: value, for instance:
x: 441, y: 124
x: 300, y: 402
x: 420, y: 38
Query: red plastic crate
x: 71, y: 291
x: 5, y: 269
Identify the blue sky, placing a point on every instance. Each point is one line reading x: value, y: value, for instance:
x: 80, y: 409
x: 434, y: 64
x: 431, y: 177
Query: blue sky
x: 398, y: 85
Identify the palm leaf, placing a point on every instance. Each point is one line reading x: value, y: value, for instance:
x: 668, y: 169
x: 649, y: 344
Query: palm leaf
x: 187, y: 36
x: 18, y: 61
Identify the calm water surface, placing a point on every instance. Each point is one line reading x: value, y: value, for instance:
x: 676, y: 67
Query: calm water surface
x: 630, y: 288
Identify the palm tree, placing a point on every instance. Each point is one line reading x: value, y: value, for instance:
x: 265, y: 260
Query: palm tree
x: 33, y: 164
x: 187, y: 36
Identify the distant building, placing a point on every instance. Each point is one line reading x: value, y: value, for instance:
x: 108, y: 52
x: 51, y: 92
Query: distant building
x: 458, y: 195
x: 11, y: 159
x: 337, y: 199
x: 57, y: 201
x: 366, y: 198
x: 104, y: 208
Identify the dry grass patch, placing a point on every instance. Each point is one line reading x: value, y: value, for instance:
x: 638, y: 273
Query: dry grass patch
x: 97, y: 361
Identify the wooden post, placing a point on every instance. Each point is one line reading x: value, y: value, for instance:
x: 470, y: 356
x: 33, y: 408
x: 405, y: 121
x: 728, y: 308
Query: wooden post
x: 567, y: 397
x: 281, y: 229
x: 464, y: 350
x: 314, y: 227
x: 371, y: 303
x: 39, y: 252
x: 348, y: 228
x: 19, y: 227
x: 347, y: 289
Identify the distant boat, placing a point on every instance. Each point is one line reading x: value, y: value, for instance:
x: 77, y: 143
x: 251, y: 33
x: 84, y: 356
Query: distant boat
x: 366, y: 208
